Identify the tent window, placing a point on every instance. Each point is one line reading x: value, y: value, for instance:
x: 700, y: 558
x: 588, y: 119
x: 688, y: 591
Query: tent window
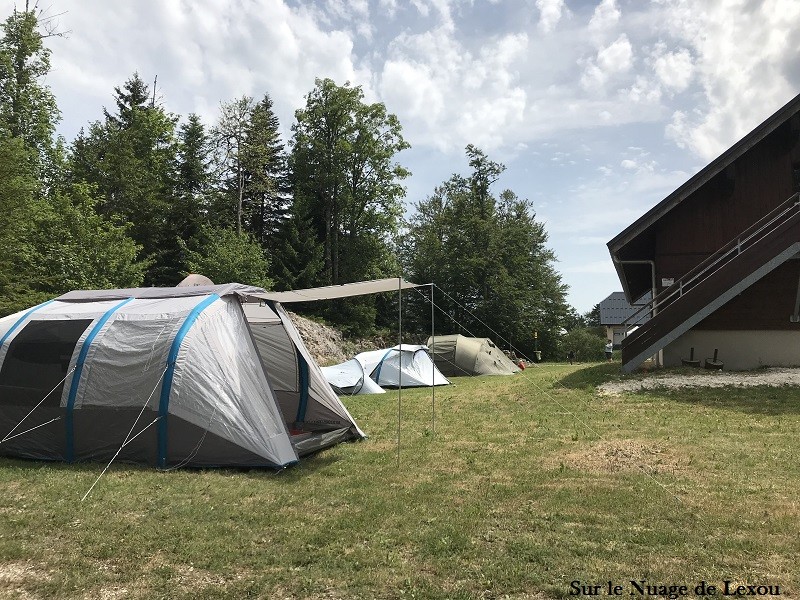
x: 37, y: 359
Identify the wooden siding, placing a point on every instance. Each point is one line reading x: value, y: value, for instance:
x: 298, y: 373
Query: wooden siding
x: 738, y: 196
x: 743, y: 271
x: 766, y: 305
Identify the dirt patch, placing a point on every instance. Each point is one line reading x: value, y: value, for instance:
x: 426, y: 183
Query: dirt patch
x: 620, y: 455
x: 109, y: 593
x: 774, y: 377
x: 15, y: 575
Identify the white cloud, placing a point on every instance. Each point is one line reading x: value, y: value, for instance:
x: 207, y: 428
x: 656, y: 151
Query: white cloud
x: 202, y: 52
x: 550, y: 12
x: 640, y: 166
x: 440, y: 7
x: 742, y: 56
x: 617, y: 57
x: 422, y: 7
x: 388, y: 8
x: 644, y: 91
x: 605, y: 17
x: 444, y: 88
x: 610, y: 61
x: 674, y: 69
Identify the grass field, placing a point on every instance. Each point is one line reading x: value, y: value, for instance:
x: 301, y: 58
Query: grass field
x: 529, y: 483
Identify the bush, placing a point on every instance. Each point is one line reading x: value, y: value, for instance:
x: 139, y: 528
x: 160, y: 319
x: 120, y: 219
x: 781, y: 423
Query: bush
x: 587, y: 345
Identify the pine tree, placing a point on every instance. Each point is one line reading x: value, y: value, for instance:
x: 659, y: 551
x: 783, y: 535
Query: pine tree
x: 131, y: 159
x: 297, y: 260
x: 265, y: 201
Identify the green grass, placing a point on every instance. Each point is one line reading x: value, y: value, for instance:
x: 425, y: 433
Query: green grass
x: 528, y: 483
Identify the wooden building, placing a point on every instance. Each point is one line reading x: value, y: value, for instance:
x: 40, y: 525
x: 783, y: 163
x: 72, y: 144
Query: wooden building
x: 720, y: 255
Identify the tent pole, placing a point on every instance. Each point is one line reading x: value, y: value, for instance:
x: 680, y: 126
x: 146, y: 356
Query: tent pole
x: 399, y: 371
x: 433, y: 375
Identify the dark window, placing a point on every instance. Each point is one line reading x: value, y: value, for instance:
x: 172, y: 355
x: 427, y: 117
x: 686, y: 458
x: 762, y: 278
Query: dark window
x: 796, y: 176
x: 37, y: 359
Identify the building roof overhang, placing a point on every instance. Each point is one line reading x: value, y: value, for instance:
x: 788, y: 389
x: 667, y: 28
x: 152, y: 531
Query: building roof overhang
x: 633, y: 234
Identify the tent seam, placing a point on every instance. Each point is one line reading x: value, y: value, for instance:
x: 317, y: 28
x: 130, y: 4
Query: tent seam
x: 76, y: 376
x: 166, y: 386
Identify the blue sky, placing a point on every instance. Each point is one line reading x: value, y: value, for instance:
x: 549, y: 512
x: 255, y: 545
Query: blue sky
x: 598, y: 109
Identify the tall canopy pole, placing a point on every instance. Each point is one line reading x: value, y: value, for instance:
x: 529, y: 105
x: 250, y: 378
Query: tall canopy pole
x: 400, y: 346
x: 433, y: 375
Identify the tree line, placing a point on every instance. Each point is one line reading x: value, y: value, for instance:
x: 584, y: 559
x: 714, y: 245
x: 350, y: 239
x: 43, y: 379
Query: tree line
x: 143, y: 196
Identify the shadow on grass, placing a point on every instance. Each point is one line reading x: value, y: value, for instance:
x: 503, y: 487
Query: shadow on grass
x: 592, y: 376
x: 308, y: 465
x: 762, y: 400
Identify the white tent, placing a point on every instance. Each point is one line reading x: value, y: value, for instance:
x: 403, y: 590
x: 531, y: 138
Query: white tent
x: 349, y: 378
x: 401, y: 366
x: 182, y: 374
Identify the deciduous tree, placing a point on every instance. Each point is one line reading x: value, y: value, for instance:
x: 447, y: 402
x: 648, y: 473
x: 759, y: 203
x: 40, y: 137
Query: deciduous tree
x: 489, y: 255
x: 226, y: 256
x: 65, y: 245
x: 28, y: 109
x: 346, y: 178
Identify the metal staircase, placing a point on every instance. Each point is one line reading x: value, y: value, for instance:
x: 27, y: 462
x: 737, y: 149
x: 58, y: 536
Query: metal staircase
x: 741, y: 262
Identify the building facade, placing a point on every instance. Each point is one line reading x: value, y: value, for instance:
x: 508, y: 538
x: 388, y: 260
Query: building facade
x: 720, y: 257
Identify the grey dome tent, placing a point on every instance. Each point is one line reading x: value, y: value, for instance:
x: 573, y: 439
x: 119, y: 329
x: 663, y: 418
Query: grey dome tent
x: 348, y: 379
x: 460, y: 355
x: 406, y: 365
x: 165, y: 376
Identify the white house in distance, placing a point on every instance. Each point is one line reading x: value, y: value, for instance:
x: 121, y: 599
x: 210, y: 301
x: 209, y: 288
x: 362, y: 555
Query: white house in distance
x: 615, y: 309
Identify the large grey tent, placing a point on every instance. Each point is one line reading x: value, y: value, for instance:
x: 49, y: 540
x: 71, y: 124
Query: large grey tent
x: 460, y: 355
x: 185, y: 375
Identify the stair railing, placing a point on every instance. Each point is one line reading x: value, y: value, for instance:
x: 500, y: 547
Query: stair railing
x: 757, y: 231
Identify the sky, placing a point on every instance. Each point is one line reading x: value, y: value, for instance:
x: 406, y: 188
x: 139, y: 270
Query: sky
x: 597, y: 108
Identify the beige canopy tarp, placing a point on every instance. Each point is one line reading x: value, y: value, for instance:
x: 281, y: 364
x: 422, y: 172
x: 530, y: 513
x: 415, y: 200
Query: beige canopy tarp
x: 361, y: 288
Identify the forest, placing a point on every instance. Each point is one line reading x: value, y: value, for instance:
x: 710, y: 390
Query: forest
x: 143, y: 196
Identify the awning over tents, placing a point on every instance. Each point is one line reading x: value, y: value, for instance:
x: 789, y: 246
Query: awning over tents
x: 346, y: 290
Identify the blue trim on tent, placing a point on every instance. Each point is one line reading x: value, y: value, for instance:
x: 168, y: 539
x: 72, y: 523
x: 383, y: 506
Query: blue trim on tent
x: 21, y: 319
x: 380, y: 364
x: 302, y: 406
x: 76, y: 376
x: 166, y: 386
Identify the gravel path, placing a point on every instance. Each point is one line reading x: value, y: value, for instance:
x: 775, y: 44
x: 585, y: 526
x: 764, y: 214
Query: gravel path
x: 774, y: 377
